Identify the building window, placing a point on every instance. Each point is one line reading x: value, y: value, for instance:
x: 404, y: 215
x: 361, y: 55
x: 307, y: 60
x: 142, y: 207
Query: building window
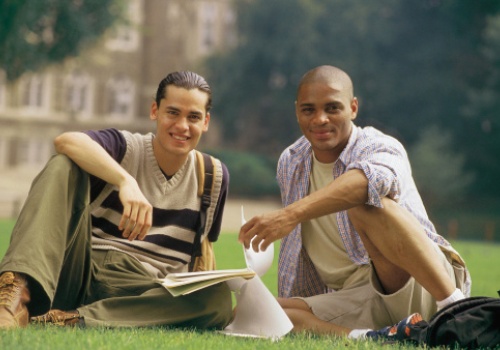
x: 34, y: 95
x: 33, y: 92
x: 230, y: 31
x: 121, y: 92
x: 125, y: 37
x: 33, y: 151
x: 3, y: 90
x: 79, y: 94
x: 173, y: 11
x: 207, y: 35
x: 4, y: 148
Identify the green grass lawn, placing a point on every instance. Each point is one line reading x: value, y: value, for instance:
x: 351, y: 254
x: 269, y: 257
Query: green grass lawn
x: 483, y: 260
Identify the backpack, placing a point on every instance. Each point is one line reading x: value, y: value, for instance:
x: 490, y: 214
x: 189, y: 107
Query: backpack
x: 203, y: 257
x: 469, y: 323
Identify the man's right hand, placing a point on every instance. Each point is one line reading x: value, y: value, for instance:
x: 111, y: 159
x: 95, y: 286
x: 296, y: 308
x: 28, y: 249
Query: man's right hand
x: 262, y: 230
x: 137, y: 214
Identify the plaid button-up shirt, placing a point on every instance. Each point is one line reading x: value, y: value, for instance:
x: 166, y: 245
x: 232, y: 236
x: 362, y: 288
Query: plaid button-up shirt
x: 385, y: 163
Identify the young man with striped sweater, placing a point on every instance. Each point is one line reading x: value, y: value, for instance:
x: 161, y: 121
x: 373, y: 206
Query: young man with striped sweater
x: 112, y: 213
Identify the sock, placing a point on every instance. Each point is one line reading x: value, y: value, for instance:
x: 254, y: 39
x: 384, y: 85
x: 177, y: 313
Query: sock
x: 455, y: 296
x: 358, y: 333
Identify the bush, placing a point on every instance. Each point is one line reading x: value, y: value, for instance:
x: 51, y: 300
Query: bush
x: 251, y: 175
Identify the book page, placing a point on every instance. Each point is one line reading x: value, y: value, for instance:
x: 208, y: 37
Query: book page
x: 188, y: 282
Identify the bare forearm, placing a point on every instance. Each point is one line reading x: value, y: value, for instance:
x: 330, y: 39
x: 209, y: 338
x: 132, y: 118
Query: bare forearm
x: 91, y: 157
x: 347, y: 191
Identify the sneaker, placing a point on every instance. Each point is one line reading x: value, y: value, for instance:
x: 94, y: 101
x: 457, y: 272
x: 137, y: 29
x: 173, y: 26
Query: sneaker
x: 407, y: 330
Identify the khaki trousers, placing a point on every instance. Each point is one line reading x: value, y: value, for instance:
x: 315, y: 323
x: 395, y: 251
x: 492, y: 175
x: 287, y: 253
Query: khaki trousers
x: 362, y: 304
x: 50, y: 244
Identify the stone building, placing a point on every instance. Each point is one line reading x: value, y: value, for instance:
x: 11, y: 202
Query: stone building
x: 111, y: 84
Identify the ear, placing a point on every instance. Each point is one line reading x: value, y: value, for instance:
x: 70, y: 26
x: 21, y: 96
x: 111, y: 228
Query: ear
x: 153, y: 112
x: 354, y: 108
x: 206, y: 122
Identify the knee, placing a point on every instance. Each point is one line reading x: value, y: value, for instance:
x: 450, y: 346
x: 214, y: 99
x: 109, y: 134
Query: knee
x: 64, y: 165
x: 217, y: 311
x: 60, y: 161
x: 293, y: 303
x: 63, y: 168
x: 363, y: 215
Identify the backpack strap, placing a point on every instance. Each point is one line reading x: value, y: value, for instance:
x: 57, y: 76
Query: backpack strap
x: 206, y: 178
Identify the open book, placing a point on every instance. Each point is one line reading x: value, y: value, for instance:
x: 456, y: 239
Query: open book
x: 258, y: 313
x: 188, y: 282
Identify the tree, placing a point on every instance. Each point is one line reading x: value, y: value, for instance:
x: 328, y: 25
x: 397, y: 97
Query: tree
x: 438, y: 169
x: 35, y: 33
x: 402, y: 55
x: 256, y: 81
x: 479, y: 135
x: 414, y: 64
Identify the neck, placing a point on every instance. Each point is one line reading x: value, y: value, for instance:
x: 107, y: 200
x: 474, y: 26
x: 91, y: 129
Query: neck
x: 169, y: 163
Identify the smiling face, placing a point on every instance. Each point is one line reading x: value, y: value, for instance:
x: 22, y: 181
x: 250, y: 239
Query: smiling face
x: 181, y: 119
x: 325, y: 109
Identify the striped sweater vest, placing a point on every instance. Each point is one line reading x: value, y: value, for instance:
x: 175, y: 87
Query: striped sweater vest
x: 176, y: 209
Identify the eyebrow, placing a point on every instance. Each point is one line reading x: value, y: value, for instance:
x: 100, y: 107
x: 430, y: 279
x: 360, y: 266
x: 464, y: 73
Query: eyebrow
x: 306, y: 104
x: 179, y: 110
x: 332, y: 103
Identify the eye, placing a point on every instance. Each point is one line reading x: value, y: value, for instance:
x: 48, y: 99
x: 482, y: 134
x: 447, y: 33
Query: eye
x: 195, y: 117
x: 333, y: 108
x: 307, y: 110
x: 171, y: 113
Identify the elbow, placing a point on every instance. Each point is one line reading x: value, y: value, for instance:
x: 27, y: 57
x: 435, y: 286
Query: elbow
x: 63, y: 142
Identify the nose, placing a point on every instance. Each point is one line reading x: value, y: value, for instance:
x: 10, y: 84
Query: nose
x: 182, y: 123
x: 320, y: 118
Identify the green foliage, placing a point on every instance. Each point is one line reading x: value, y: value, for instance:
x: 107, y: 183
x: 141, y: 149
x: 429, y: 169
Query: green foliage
x: 251, y: 175
x: 35, y: 33
x: 479, y: 135
x: 414, y: 63
x: 256, y: 82
x: 438, y: 169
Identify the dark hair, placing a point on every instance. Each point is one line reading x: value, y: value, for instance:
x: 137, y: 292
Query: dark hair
x: 187, y: 80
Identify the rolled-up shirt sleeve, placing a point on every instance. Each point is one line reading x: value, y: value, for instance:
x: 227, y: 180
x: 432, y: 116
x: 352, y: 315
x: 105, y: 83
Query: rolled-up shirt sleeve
x: 385, y: 165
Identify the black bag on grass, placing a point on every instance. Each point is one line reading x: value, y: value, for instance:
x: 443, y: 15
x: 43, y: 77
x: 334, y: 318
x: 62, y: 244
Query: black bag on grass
x: 468, y: 323
x: 471, y: 323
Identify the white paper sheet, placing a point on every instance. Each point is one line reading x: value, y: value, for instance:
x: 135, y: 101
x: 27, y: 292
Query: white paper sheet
x: 259, y: 261
x: 258, y: 313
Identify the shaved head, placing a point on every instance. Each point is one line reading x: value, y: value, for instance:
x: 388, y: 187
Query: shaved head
x: 330, y: 75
